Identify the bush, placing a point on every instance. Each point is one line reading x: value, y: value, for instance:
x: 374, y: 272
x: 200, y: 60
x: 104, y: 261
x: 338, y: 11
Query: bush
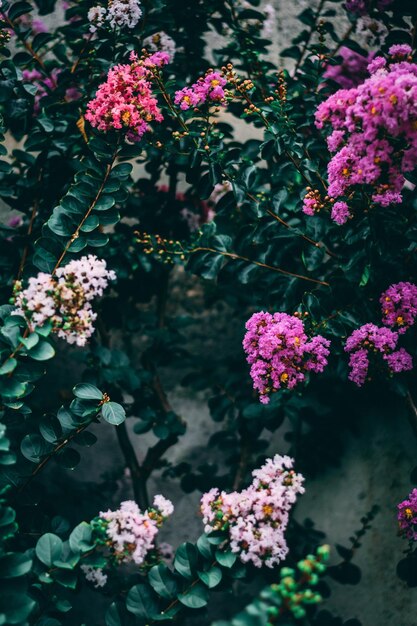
x: 129, y: 168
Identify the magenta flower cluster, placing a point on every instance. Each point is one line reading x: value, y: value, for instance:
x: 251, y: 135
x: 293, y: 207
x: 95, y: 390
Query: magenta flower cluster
x: 374, y: 130
x: 399, y: 311
x: 280, y: 353
x: 399, y: 306
x: 407, y: 516
x: 130, y: 532
x: 371, y: 339
x: 126, y: 101
x: 363, y: 7
x: 209, y: 88
x: 256, y: 517
x: 351, y: 70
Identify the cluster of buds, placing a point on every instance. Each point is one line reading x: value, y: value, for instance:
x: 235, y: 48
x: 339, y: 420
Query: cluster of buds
x: 281, y: 88
x: 313, y: 202
x: 178, y: 135
x: 168, y: 251
x: 293, y: 594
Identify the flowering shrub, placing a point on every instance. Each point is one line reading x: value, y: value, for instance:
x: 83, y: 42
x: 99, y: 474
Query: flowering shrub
x: 165, y: 198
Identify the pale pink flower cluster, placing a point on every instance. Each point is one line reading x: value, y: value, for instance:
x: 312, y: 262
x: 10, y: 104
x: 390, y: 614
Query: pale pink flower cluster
x: 65, y: 298
x: 160, y: 42
x: 256, y: 517
x: 94, y: 575
x: 209, y: 88
x: 118, y: 14
x: 280, y: 353
x: 125, y: 101
x: 369, y: 340
x: 399, y: 306
x: 132, y: 532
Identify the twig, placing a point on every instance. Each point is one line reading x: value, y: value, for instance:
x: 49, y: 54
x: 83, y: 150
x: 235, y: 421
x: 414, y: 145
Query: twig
x: 310, y: 34
x: 412, y: 413
x: 76, y: 233
x: 138, y: 479
x: 238, y: 257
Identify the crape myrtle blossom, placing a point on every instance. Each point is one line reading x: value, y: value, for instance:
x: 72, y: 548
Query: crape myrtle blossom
x: 46, y: 85
x: 374, y: 130
x: 94, y: 575
x: 351, y: 70
x: 64, y: 299
x: 280, y: 353
x: 399, y: 306
x: 160, y: 42
x: 362, y: 7
x: 117, y: 15
x: 371, y: 339
x: 209, y: 88
x: 125, y: 101
x: 256, y: 517
x: 407, y: 516
x: 129, y: 533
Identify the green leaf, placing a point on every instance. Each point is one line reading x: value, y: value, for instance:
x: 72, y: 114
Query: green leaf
x: 80, y: 538
x: 141, y: 602
x: 85, y: 391
x: 212, y: 577
x: 13, y: 565
x: 162, y: 581
x: 49, y: 549
x: 185, y: 561
x: 113, y: 413
x: 104, y: 203
x: 34, y: 447
x: 195, y: 598
x: 204, y: 547
x: 8, y: 366
x: 43, y: 351
x: 226, y: 559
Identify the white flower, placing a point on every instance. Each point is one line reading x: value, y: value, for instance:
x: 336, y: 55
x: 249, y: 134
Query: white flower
x: 163, y: 505
x: 96, y: 16
x: 95, y: 575
x: 160, y: 41
x: 123, y: 13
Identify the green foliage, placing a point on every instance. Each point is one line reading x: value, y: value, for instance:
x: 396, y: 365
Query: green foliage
x: 144, y: 207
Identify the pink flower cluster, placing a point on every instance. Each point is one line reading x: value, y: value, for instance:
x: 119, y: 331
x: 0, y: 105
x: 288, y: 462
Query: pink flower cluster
x: 362, y: 7
x: 280, y: 353
x: 399, y: 306
x: 407, y: 516
x: 372, y: 339
x: 46, y: 84
x: 130, y: 532
x: 209, y: 88
x: 256, y: 518
x: 352, y: 69
x: 374, y: 126
x: 65, y: 299
x: 125, y: 101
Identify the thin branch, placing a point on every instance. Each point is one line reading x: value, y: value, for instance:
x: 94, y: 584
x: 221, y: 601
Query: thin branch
x: 138, y: 479
x: 238, y: 257
x: 310, y: 34
x: 76, y: 233
x: 50, y: 456
x: 412, y: 413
